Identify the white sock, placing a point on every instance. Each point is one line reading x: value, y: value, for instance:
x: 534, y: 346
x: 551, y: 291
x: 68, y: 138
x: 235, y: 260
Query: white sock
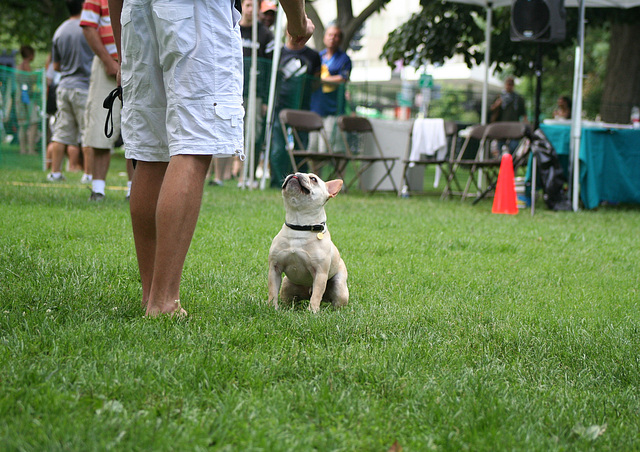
x: 55, y: 175
x: 97, y: 186
x: 88, y: 177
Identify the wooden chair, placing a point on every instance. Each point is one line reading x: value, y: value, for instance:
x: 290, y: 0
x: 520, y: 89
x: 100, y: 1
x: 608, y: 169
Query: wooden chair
x: 292, y: 123
x: 362, y: 127
x: 444, y: 162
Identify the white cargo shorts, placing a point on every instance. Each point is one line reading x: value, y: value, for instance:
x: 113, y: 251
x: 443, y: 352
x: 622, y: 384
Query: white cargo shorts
x: 181, y: 79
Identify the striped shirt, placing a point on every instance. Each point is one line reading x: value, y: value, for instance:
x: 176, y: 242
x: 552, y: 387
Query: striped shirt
x: 95, y: 13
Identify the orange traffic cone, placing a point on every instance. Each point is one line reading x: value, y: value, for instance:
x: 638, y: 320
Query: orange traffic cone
x: 504, y: 200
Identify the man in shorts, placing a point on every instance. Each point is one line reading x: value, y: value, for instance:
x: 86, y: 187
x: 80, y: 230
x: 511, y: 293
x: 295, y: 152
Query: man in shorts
x: 96, y: 26
x: 71, y: 56
x: 181, y: 72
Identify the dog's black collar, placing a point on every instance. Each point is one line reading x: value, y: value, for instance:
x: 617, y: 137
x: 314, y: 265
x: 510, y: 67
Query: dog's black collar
x: 308, y: 227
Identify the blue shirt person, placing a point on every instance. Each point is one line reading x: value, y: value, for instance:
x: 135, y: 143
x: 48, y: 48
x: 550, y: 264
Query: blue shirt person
x: 328, y: 100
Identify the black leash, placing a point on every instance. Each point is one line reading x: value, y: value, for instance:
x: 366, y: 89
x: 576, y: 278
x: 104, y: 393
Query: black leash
x: 108, y: 104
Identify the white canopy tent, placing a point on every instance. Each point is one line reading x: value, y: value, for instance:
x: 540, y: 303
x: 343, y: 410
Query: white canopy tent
x: 576, y: 124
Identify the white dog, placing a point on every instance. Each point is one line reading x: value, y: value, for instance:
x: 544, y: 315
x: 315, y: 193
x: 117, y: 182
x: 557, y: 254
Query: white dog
x: 303, y: 249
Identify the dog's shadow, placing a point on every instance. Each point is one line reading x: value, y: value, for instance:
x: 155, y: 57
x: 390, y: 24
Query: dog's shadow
x: 301, y: 305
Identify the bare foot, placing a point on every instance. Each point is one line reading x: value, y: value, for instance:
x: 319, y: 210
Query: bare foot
x: 174, y: 309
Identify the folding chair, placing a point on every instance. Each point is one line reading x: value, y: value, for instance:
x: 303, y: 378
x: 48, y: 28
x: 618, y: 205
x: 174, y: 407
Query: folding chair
x: 443, y: 162
x: 297, y: 121
x: 483, y: 166
x: 463, y: 159
x: 520, y: 155
x: 361, y: 127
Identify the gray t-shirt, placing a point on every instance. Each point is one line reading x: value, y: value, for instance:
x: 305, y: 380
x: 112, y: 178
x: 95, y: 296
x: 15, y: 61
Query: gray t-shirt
x: 71, y: 50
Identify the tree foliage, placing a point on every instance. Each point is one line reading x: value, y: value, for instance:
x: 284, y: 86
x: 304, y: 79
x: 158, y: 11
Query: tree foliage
x: 31, y: 22
x: 442, y: 29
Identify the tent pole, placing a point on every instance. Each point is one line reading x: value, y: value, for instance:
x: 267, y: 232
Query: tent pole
x: 272, y: 94
x: 248, y: 169
x: 576, y: 110
x: 487, y: 63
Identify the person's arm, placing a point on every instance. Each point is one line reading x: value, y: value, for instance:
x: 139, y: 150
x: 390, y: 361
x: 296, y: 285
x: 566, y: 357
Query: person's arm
x: 299, y: 25
x: 337, y: 79
x: 343, y: 74
x: 92, y: 35
x: 115, y: 10
x: 496, y: 103
x: 55, y: 60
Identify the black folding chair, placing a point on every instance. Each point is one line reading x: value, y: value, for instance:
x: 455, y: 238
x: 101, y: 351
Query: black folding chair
x: 296, y: 121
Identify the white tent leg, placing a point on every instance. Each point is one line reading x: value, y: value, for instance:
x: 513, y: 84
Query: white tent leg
x: 272, y: 94
x: 576, y: 110
x: 248, y: 170
x: 487, y: 64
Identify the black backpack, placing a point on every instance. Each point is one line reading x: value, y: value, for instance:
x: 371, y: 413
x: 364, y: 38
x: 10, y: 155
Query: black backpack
x: 550, y: 173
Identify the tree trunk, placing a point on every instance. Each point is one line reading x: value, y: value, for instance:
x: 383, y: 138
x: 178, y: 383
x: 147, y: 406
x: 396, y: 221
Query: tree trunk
x: 345, y: 20
x: 622, y: 82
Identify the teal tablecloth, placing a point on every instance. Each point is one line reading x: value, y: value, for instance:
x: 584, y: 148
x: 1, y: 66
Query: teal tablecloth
x: 609, y: 162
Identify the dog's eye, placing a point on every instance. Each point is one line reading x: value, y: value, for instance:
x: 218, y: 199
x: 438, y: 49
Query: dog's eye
x: 313, y: 179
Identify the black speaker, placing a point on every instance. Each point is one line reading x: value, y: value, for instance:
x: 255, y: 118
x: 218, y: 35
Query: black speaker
x: 538, y: 20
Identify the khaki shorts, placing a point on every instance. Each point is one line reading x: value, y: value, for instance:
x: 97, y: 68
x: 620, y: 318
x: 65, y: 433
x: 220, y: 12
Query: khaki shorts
x: 100, y: 86
x: 69, y: 123
x: 179, y: 97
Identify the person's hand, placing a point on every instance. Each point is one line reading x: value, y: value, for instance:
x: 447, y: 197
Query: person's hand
x: 111, y: 67
x: 299, y: 36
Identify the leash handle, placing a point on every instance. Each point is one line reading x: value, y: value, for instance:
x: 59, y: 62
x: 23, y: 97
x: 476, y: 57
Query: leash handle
x: 108, y: 104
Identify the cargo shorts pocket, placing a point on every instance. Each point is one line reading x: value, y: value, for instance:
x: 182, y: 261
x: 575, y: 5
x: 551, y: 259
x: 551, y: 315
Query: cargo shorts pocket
x: 232, y: 114
x: 177, y: 29
x: 131, y: 46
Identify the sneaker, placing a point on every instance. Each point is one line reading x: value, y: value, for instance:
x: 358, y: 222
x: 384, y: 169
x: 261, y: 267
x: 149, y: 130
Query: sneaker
x: 215, y: 183
x: 86, y: 179
x: 52, y: 178
x: 97, y: 197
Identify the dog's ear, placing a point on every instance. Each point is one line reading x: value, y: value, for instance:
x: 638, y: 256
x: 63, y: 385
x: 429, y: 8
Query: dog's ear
x: 333, y: 187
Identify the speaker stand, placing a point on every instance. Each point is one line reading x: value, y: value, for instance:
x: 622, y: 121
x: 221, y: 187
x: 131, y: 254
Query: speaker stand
x: 538, y: 71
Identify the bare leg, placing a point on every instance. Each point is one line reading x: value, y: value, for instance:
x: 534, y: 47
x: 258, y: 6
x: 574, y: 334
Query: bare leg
x: 223, y: 168
x: 101, y: 162
x: 145, y: 189
x: 57, y: 154
x: 176, y: 217
x: 165, y: 203
x: 49, y: 158
x: 87, y: 155
x: 32, y: 138
x: 22, y: 137
x: 130, y: 169
x: 75, y: 159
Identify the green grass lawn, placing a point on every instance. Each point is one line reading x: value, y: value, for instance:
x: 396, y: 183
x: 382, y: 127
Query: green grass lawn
x: 465, y: 330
